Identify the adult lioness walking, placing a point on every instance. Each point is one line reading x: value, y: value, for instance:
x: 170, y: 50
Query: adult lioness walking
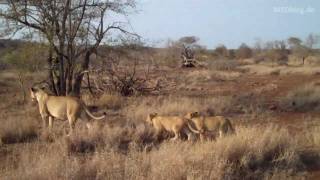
x: 211, y: 124
x: 60, y: 107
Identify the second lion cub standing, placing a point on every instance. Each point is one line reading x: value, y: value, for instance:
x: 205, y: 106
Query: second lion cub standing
x: 210, y: 124
x: 174, y: 124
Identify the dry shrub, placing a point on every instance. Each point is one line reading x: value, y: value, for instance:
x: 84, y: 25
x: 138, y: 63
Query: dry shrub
x: 141, y: 107
x: 88, y: 99
x: 113, y: 138
x: 45, y: 161
x: 14, y: 130
x: 90, y: 140
x: 305, y: 98
x: 243, y: 52
x: 224, y: 65
x: 204, y: 75
x: 267, y: 69
x: 110, y: 101
x: 313, y: 138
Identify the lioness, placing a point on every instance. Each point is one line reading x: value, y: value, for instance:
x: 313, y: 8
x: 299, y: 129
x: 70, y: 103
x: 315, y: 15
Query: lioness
x: 173, y: 124
x: 60, y: 107
x: 205, y: 125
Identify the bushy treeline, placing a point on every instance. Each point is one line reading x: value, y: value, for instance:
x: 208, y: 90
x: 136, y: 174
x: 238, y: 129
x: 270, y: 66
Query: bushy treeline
x: 32, y: 56
x: 22, y: 55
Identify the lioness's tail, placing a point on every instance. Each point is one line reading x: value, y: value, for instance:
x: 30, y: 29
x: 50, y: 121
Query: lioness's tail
x: 230, y: 127
x: 94, y: 117
x: 192, y: 129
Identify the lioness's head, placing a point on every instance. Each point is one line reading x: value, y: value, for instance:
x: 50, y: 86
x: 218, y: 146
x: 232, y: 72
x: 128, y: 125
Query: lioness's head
x: 150, y: 117
x: 191, y: 115
x: 34, y: 92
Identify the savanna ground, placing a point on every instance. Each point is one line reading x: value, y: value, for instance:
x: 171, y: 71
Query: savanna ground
x: 274, y: 108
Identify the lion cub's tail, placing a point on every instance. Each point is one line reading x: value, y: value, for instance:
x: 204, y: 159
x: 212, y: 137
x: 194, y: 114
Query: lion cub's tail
x: 92, y: 116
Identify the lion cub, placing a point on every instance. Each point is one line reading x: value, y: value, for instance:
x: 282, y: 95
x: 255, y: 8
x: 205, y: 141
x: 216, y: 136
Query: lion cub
x: 173, y: 124
x: 205, y: 125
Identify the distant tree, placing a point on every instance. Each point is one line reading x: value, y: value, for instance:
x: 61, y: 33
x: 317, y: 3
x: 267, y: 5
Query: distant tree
x: 232, y: 53
x: 294, y: 42
x: 298, y: 49
x: 277, y: 52
x: 302, y: 52
x: 243, y: 52
x: 189, y: 46
x: 188, y: 40
x: 257, y: 46
x: 312, y: 40
x: 222, y: 51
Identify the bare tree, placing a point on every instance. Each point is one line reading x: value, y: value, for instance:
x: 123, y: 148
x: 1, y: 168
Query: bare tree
x: 257, y: 46
x: 312, y: 40
x: 126, y: 78
x: 73, y: 29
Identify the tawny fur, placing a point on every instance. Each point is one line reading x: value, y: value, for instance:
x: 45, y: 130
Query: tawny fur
x: 211, y: 124
x: 59, y: 107
x: 174, y: 124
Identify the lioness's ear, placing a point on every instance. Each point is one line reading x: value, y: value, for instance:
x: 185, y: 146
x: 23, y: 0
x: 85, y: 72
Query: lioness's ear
x: 189, y: 114
x: 33, y: 89
x: 152, y: 115
x: 194, y: 114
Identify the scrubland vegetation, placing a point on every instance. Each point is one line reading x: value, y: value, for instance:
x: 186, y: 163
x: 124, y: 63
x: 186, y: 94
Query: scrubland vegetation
x: 273, y: 108
x: 270, y: 91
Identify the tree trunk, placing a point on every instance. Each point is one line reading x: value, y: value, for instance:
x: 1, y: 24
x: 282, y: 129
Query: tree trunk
x: 62, y: 82
x: 78, y: 78
x: 52, y: 84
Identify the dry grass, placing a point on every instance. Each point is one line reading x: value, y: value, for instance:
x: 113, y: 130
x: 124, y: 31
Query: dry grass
x: 141, y: 107
x: 204, y: 75
x: 110, y: 101
x: 20, y: 129
x: 313, y: 138
x: 311, y: 60
x: 263, y: 69
x: 303, y: 99
x: 224, y: 65
x: 253, y: 153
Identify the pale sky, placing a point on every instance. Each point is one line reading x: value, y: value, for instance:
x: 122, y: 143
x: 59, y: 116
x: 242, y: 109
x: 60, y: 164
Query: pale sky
x: 229, y: 22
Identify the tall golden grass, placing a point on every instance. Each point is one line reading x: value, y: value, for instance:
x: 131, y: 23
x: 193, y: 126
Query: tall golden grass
x: 304, y: 98
x: 253, y: 153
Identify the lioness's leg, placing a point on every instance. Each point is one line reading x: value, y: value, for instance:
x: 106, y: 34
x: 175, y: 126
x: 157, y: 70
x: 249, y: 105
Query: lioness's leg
x: 72, y: 121
x: 157, y: 134
x: 176, y: 136
x: 220, y: 133
x: 50, y: 122
x: 202, y: 137
x: 44, y: 120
